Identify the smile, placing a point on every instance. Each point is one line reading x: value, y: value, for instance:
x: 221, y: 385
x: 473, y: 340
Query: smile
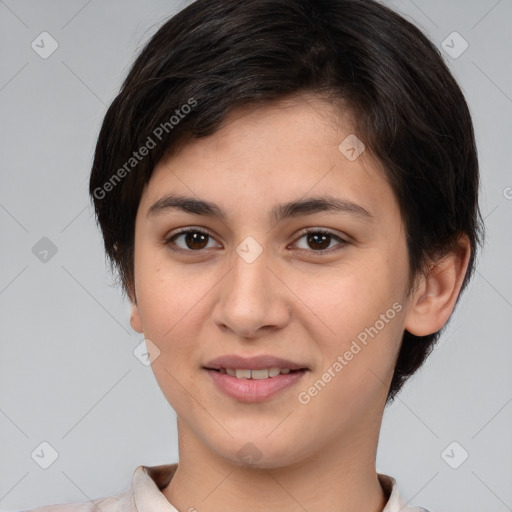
x: 255, y: 374
x: 254, y: 385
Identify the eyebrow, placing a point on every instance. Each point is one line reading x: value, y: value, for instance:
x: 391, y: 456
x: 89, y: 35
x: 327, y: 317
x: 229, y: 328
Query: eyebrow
x: 328, y: 204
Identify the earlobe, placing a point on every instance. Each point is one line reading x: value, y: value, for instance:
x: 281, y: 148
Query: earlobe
x: 437, y: 292
x: 135, y: 320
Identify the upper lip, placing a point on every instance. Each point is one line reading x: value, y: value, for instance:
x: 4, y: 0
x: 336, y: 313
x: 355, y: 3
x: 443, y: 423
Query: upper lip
x: 252, y: 363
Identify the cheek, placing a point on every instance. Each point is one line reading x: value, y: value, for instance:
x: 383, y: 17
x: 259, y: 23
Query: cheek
x: 171, y: 303
x: 167, y: 292
x: 342, y: 301
x: 357, y: 362
x: 354, y: 313
x: 169, y: 310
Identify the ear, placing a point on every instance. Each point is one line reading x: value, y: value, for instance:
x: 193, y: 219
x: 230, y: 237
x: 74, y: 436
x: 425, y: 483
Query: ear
x: 434, y: 299
x: 135, y: 320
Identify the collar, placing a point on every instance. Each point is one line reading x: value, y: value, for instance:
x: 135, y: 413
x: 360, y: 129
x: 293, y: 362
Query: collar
x: 149, y: 481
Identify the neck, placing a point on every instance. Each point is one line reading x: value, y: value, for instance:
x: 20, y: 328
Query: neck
x: 340, y: 478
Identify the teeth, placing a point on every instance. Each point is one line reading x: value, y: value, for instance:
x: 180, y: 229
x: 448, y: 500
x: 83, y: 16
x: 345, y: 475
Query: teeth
x: 255, y: 374
x: 258, y: 374
x: 274, y: 372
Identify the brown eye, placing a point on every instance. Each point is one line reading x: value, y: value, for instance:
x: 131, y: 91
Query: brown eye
x: 318, y: 241
x: 194, y: 240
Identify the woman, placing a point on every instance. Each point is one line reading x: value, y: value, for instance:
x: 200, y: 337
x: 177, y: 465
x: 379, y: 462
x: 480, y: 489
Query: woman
x: 289, y: 191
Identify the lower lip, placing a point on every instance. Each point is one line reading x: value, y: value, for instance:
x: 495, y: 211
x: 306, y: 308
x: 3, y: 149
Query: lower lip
x: 254, y: 390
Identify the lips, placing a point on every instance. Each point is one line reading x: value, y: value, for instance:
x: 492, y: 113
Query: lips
x: 252, y: 363
x: 245, y: 379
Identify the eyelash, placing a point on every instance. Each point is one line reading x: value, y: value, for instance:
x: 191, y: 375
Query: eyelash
x: 169, y: 240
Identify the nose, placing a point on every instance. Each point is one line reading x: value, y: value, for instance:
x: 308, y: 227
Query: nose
x: 252, y: 301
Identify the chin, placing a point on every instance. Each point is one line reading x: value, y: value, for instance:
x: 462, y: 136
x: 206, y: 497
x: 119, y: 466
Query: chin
x: 261, y: 452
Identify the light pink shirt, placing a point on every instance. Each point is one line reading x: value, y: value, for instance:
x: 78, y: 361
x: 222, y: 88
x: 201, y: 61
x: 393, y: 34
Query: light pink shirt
x: 145, y: 495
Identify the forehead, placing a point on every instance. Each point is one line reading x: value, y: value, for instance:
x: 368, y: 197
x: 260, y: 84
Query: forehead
x: 279, y: 152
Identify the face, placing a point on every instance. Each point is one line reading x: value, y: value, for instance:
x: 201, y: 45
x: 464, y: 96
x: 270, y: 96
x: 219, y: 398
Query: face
x: 320, y: 287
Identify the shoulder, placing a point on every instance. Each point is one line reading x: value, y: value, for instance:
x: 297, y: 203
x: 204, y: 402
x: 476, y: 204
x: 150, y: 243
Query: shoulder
x: 145, y: 491
x: 122, y: 502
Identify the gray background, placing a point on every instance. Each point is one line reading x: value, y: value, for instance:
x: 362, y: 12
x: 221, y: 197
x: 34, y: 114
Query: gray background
x: 68, y: 375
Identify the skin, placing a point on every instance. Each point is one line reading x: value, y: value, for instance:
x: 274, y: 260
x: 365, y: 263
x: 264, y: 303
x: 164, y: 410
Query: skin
x: 291, y: 302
